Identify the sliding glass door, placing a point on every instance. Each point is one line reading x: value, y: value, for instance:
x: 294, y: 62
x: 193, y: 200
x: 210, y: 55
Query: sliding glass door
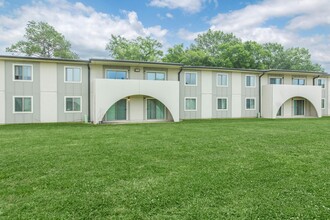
x: 116, y: 112
x: 155, y: 109
x: 298, y: 107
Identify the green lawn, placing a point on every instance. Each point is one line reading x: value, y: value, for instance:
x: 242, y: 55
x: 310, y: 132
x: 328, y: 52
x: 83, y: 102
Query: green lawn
x: 204, y: 169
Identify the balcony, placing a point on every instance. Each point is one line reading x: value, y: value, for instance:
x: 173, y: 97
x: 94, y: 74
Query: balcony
x: 107, y: 92
x: 274, y: 96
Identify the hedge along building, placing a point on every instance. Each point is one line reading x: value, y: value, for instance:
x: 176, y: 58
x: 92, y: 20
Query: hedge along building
x: 56, y: 90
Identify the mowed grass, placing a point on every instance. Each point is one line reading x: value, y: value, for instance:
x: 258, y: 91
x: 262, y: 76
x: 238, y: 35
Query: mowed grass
x: 204, y: 169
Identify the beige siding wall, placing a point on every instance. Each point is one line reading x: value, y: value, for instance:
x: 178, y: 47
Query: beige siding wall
x: 2, y: 92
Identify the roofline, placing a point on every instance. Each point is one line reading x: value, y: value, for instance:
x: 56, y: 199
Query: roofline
x: 221, y: 68
x: 43, y: 58
x: 161, y: 63
x: 134, y: 61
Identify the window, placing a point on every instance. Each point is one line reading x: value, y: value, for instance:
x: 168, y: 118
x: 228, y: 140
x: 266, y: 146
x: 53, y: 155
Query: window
x: 323, y: 103
x: 321, y: 82
x: 155, y: 75
x: 116, y: 74
x: 298, y: 81
x: 222, y: 104
x: 22, y: 72
x: 23, y: 104
x: 298, y: 107
x: 222, y: 79
x: 250, y: 81
x: 72, y: 74
x: 155, y: 109
x: 250, y: 103
x: 190, y: 104
x: 191, y: 79
x: 275, y: 80
x: 72, y: 104
x: 117, y: 111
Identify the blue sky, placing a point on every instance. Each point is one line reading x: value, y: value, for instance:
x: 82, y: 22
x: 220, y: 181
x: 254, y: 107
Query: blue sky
x: 89, y: 24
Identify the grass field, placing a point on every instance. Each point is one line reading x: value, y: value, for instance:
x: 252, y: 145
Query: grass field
x: 204, y: 169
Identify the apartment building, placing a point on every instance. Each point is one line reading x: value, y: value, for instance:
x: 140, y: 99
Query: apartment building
x: 36, y: 90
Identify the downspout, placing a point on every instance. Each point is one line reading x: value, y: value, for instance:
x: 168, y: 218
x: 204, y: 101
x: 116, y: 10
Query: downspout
x: 89, y: 92
x: 314, y: 79
x: 179, y: 73
x: 263, y: 73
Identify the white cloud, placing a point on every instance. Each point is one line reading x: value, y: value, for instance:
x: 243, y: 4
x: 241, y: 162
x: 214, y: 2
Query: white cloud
x: 169, y: 15
x: 191, y: 6
x: 250, y: 23
x: 86, y: 29
x: 2, y: 3
x: 188, y: 35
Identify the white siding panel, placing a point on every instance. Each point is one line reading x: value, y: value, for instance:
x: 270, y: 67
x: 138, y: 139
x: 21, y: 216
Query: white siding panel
x: 236, y: 95
x: 48, y: 77
x: 48, y: 107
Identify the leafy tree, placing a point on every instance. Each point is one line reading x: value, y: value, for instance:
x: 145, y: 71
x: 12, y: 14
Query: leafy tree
x: 176, y: 54
x: 44, y: 41
x: 142, y: 49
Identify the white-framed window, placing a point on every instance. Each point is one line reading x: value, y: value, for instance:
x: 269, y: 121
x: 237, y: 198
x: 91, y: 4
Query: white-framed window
x: 250, y: 104
x: 23, y: 104
x: 155, y: 75
x: 321, y: 82
x: 323, y: 103
x: 222, y: 103
x: 250, y: 81
x: 299, y: 81
x: 275, y: 80
x: 23, y: 72
x: 72, y: 74
x: 72, y: 104
x: 222, y: 79
x: 190, y: 104
x: 190, y: 79
x: 116, y: 74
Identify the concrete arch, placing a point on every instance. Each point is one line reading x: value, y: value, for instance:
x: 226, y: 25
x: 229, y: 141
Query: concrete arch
x: 274, y: 96
x: 108, y: 92
x: 308, y: 101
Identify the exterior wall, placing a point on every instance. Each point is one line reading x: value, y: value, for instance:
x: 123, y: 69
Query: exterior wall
x: 48, y: 92
x: 24, y: 88
x: 249, y: 92
x: 206, y: 100
x: 190, y: 91
x: 236, y: 103
x: 71, y: 89
x: 2, y: 93
x: 222, y: 92
x: 328, y: 99
x: 136, y: 109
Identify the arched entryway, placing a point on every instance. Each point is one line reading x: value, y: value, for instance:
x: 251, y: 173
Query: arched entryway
x: 296, y: 107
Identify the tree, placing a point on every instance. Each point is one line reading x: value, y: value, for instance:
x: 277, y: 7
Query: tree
x: 44, y: 41
x: 142, y: 49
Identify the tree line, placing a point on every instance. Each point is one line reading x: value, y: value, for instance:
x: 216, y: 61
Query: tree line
x: 212, y: 48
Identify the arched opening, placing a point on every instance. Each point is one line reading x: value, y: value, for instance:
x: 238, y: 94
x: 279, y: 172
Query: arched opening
x: 137, y: 108
x: 296, y: 107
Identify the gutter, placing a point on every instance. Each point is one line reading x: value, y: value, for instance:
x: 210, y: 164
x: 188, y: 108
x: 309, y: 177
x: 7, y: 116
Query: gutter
x: 89, y: 92
x: 263, y: 73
